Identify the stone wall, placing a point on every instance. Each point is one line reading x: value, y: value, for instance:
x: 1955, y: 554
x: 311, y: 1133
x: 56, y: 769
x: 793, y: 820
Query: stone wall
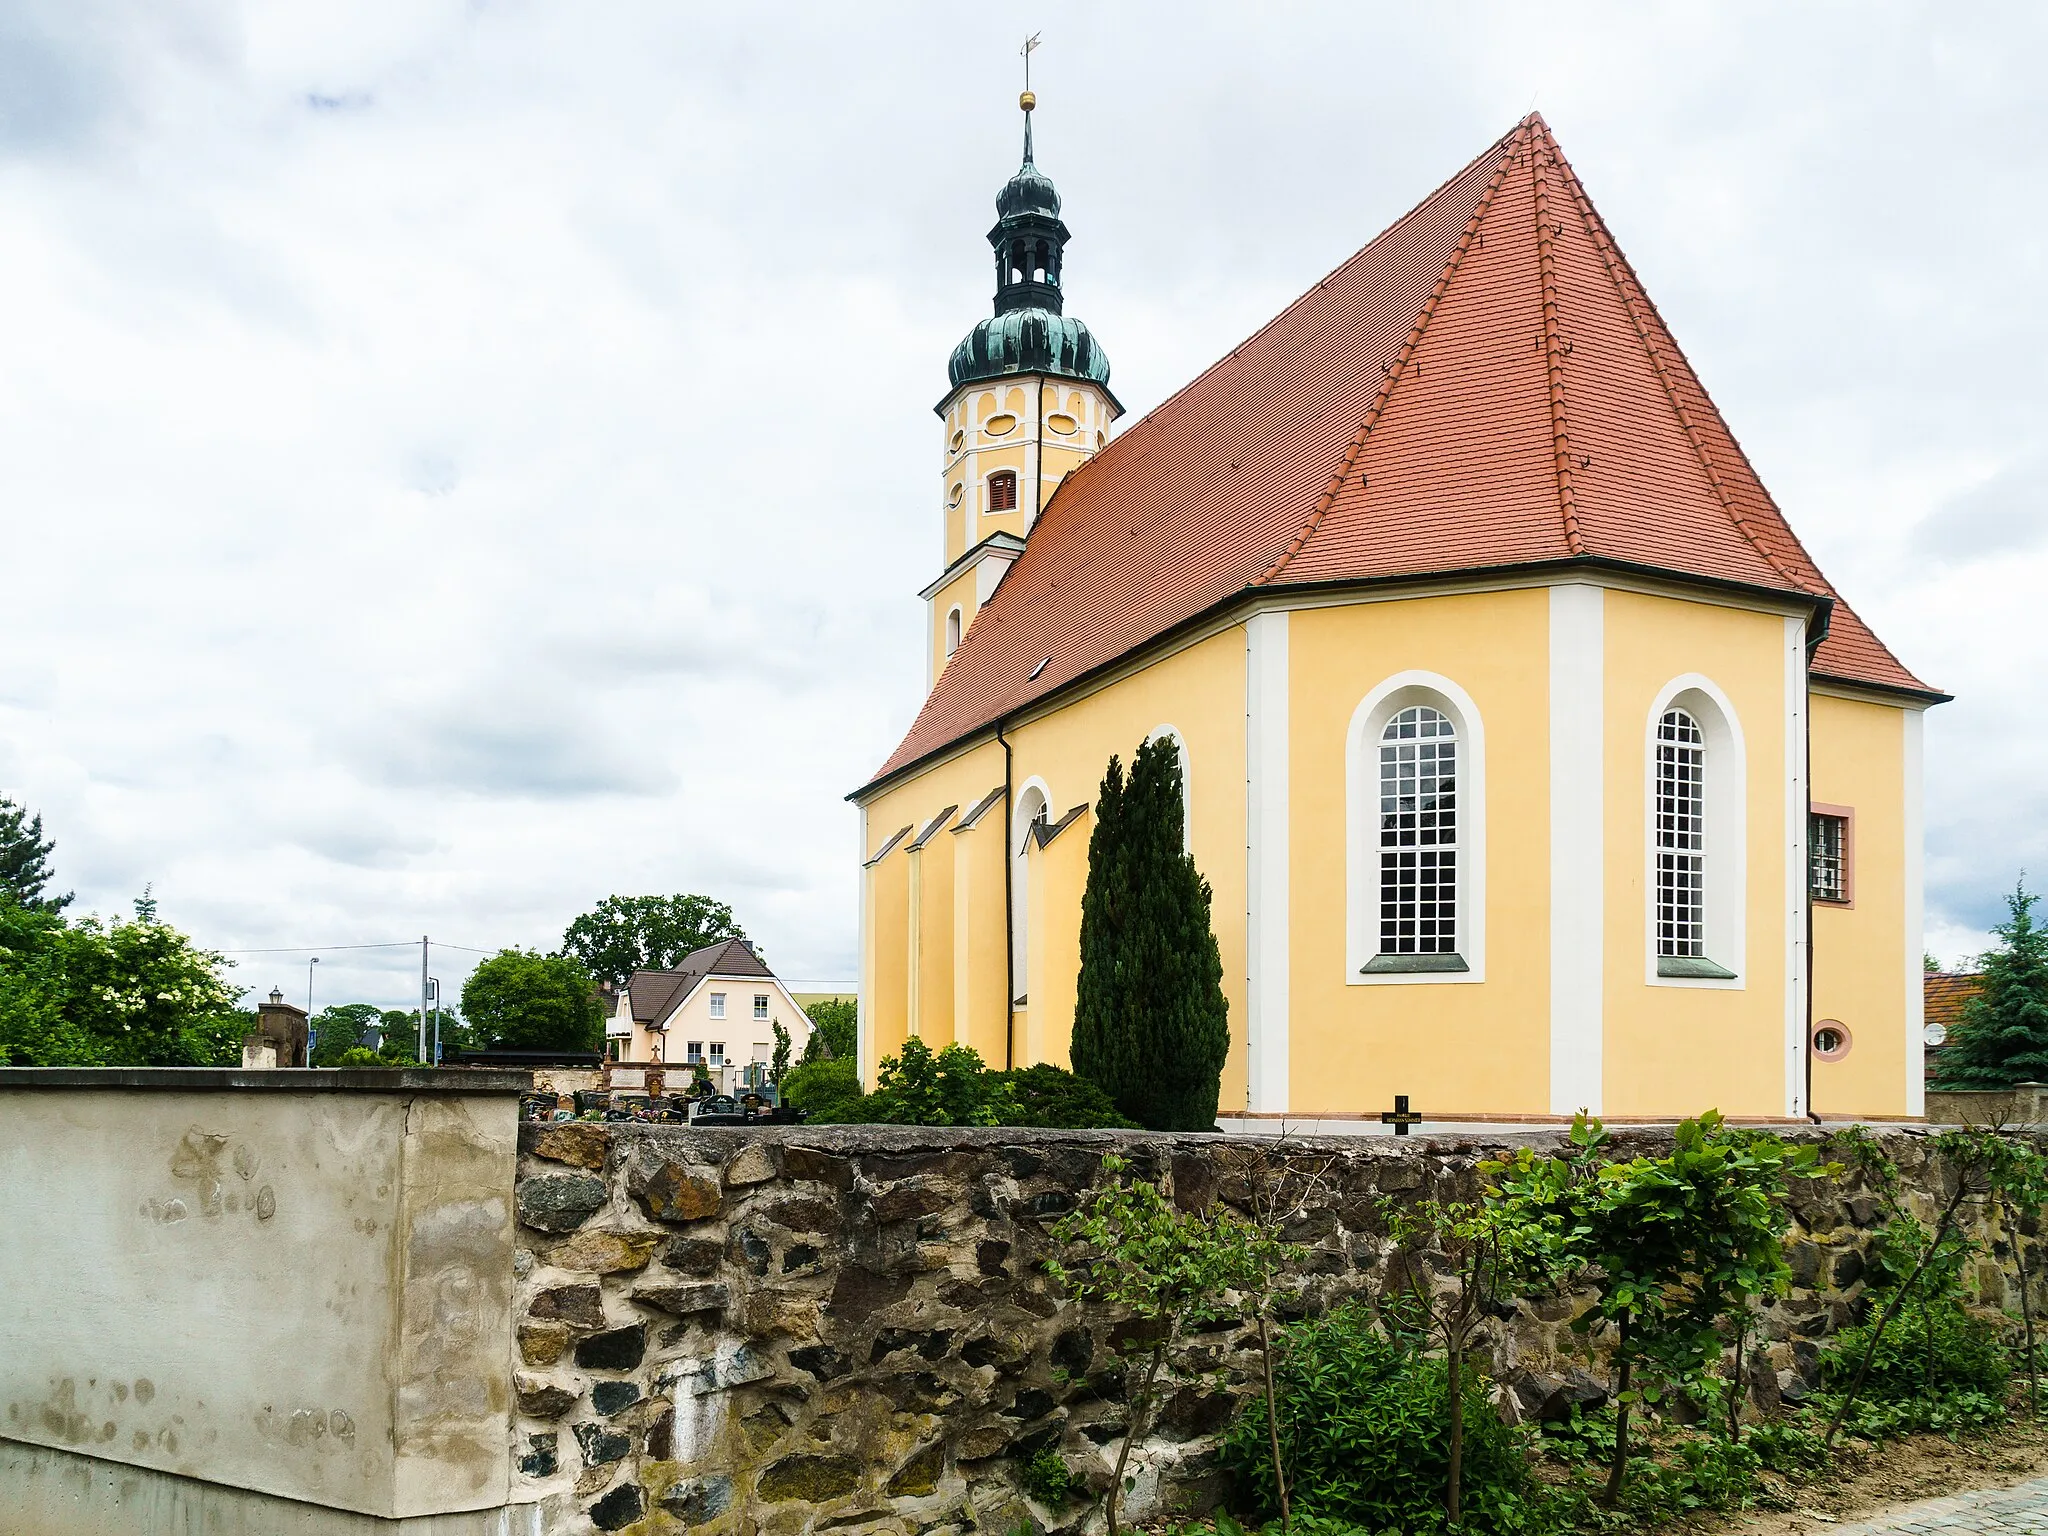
x: 848, y: 1328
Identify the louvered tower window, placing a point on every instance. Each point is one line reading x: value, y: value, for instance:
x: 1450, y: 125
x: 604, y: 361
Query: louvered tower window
x: 1002, y: 491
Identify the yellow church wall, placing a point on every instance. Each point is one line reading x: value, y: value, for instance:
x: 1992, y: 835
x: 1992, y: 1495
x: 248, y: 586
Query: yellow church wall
x: 886, y: 994
x: 1860, y: 961
x: 979, y: 973
x: 885, y: 967
x: 1476, y: 1046
x: 1682, y: 1048
x: 1200, y: 692
x: 1059, y: 874
x: 931, y: 934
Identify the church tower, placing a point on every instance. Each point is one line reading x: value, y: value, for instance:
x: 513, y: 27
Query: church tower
x: 1028, y: 402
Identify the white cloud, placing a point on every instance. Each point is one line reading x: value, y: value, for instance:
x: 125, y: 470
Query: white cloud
x: 461, y: 461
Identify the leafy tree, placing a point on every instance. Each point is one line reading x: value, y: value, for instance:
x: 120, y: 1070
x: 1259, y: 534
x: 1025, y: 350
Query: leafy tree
x: 1489, y: 1248
x: 1131, y: 1250
x: 130, y: 993
x: 2001, y: 1038
x: 624, y: 934
x: 778, y: 1064
x: 1676, y: 1243
x: 24, y: 860
x: 340, y: 1029
x: 523, y: 1001
x: 1151, y: 1024
x: 835, y: 1029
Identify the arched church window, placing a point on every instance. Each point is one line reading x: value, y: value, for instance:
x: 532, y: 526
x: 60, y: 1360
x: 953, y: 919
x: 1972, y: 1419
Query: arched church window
x: 1032, y: 812
x: 1419, y: 834
x: 1681, y: 836
x: 1696, y: 837
x: 952, y: 632
x: 1415, y: 834
x: 1002, y: 491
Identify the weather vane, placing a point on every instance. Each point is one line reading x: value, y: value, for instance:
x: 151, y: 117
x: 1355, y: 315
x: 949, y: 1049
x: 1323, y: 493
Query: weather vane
x: 1027, y: 101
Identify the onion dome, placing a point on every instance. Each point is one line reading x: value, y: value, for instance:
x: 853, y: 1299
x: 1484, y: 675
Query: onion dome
x: 1029, y: 331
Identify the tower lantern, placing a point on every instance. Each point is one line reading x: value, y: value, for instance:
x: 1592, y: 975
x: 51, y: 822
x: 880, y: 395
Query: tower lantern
x: 1028, y: 402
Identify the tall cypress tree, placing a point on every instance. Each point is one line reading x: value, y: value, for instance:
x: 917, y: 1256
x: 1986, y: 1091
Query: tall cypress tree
x: 2002, y: 1036
x: 1151, y: 1025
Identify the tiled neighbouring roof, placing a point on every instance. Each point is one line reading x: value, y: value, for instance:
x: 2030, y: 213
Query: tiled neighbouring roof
x: 654, y: 994
x: 1486, y: 385
x: 1946, y: 993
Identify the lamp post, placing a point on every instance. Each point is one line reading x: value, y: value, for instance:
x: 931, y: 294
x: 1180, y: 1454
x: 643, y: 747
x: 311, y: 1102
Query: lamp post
x: 434, y: 983
x: 315, y: 960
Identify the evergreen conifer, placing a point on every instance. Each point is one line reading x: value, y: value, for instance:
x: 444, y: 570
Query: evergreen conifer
x: 2002, y: 1036
x: 25, y: 860
x: 1151, y: 1025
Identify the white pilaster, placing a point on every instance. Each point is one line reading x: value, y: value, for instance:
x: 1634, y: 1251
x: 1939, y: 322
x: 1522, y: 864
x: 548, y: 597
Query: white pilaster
x: 1798, y: 797
x: 1916, y: 936
x: 1578, y: 907
x: 1266, y: 833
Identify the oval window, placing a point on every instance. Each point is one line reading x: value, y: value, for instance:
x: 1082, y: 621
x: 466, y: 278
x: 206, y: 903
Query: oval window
x: 958, y: 439
x: 1831, y: 1040
x: 1101, y: 438
x: 1062, y: 423
x: 953, y: 496
x: 1000, y: 426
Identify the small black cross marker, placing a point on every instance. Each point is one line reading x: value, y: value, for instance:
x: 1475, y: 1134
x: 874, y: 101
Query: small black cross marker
x: 1400, y: 1117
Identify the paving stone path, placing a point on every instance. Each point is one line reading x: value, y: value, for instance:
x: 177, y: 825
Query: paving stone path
x: 2018, y: 1511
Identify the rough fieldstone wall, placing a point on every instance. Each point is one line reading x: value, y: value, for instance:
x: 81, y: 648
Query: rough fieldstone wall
x: 847, y: 1329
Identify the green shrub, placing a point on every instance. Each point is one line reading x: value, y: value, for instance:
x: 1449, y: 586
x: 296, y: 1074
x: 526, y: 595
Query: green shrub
x: 1047, y: 1478
x: 1931, y: 1348
x: 828, y: 1092
x: 952, y: 1087
x: 1367, y: 1438
x: 1046, y: 1095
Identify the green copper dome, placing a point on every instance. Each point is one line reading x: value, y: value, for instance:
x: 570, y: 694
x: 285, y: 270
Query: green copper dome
x: 1029, y: 331
x: 1029, y: 341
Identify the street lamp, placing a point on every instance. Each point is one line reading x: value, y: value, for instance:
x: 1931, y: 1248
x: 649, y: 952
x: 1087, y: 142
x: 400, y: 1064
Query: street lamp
x: 309, y: 1006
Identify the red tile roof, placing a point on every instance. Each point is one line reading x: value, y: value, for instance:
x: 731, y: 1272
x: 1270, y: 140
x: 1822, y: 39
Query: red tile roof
x: 1945, y: 993
x: 653, y: 995
x: 1485, y: 385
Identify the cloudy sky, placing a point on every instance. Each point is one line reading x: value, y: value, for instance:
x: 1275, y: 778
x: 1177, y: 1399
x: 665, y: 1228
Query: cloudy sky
x: 458, y: 461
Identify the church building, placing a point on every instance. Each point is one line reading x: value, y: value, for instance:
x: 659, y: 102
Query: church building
x: 1532, y: 761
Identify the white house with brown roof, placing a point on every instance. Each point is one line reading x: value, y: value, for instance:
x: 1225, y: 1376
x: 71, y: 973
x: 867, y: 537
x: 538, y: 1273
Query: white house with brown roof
x: 719, y: 1007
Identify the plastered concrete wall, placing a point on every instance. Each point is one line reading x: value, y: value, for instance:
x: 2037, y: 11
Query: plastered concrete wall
x: 298, y: 1293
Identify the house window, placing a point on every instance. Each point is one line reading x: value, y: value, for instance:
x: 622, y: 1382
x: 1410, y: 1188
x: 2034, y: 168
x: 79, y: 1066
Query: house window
x: 761, y: 1007
x: 693, y: 1053
x: 952, y: 631
x: 763, y: 1051
x: 1418, y: 834
x: 718, y: 1005
x: 1681, y: 836
x: 718, y: 1053
x: 1827, y: 856
x: 1002, y: 491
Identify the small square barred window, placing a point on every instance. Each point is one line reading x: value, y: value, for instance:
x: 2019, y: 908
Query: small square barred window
x: 1002, y: 492
x: 1419, y: 834
x: 1681, y: 835
x: 1826, y: 848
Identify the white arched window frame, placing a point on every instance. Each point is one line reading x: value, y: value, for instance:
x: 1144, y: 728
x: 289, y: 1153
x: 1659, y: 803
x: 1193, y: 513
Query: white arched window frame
x: 1407, y: 690
x: 1722, y: 844
x: 952, y: 631
x: 1187, y: 784
x: 1034, y: 803
x: 989, y: 491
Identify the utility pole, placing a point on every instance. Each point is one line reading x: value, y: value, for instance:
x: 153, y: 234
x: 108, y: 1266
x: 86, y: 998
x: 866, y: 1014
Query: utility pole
x: 423, y: 1001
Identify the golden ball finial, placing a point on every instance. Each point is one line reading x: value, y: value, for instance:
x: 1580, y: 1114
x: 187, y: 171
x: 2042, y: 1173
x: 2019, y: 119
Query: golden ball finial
x: 1027, y: 101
